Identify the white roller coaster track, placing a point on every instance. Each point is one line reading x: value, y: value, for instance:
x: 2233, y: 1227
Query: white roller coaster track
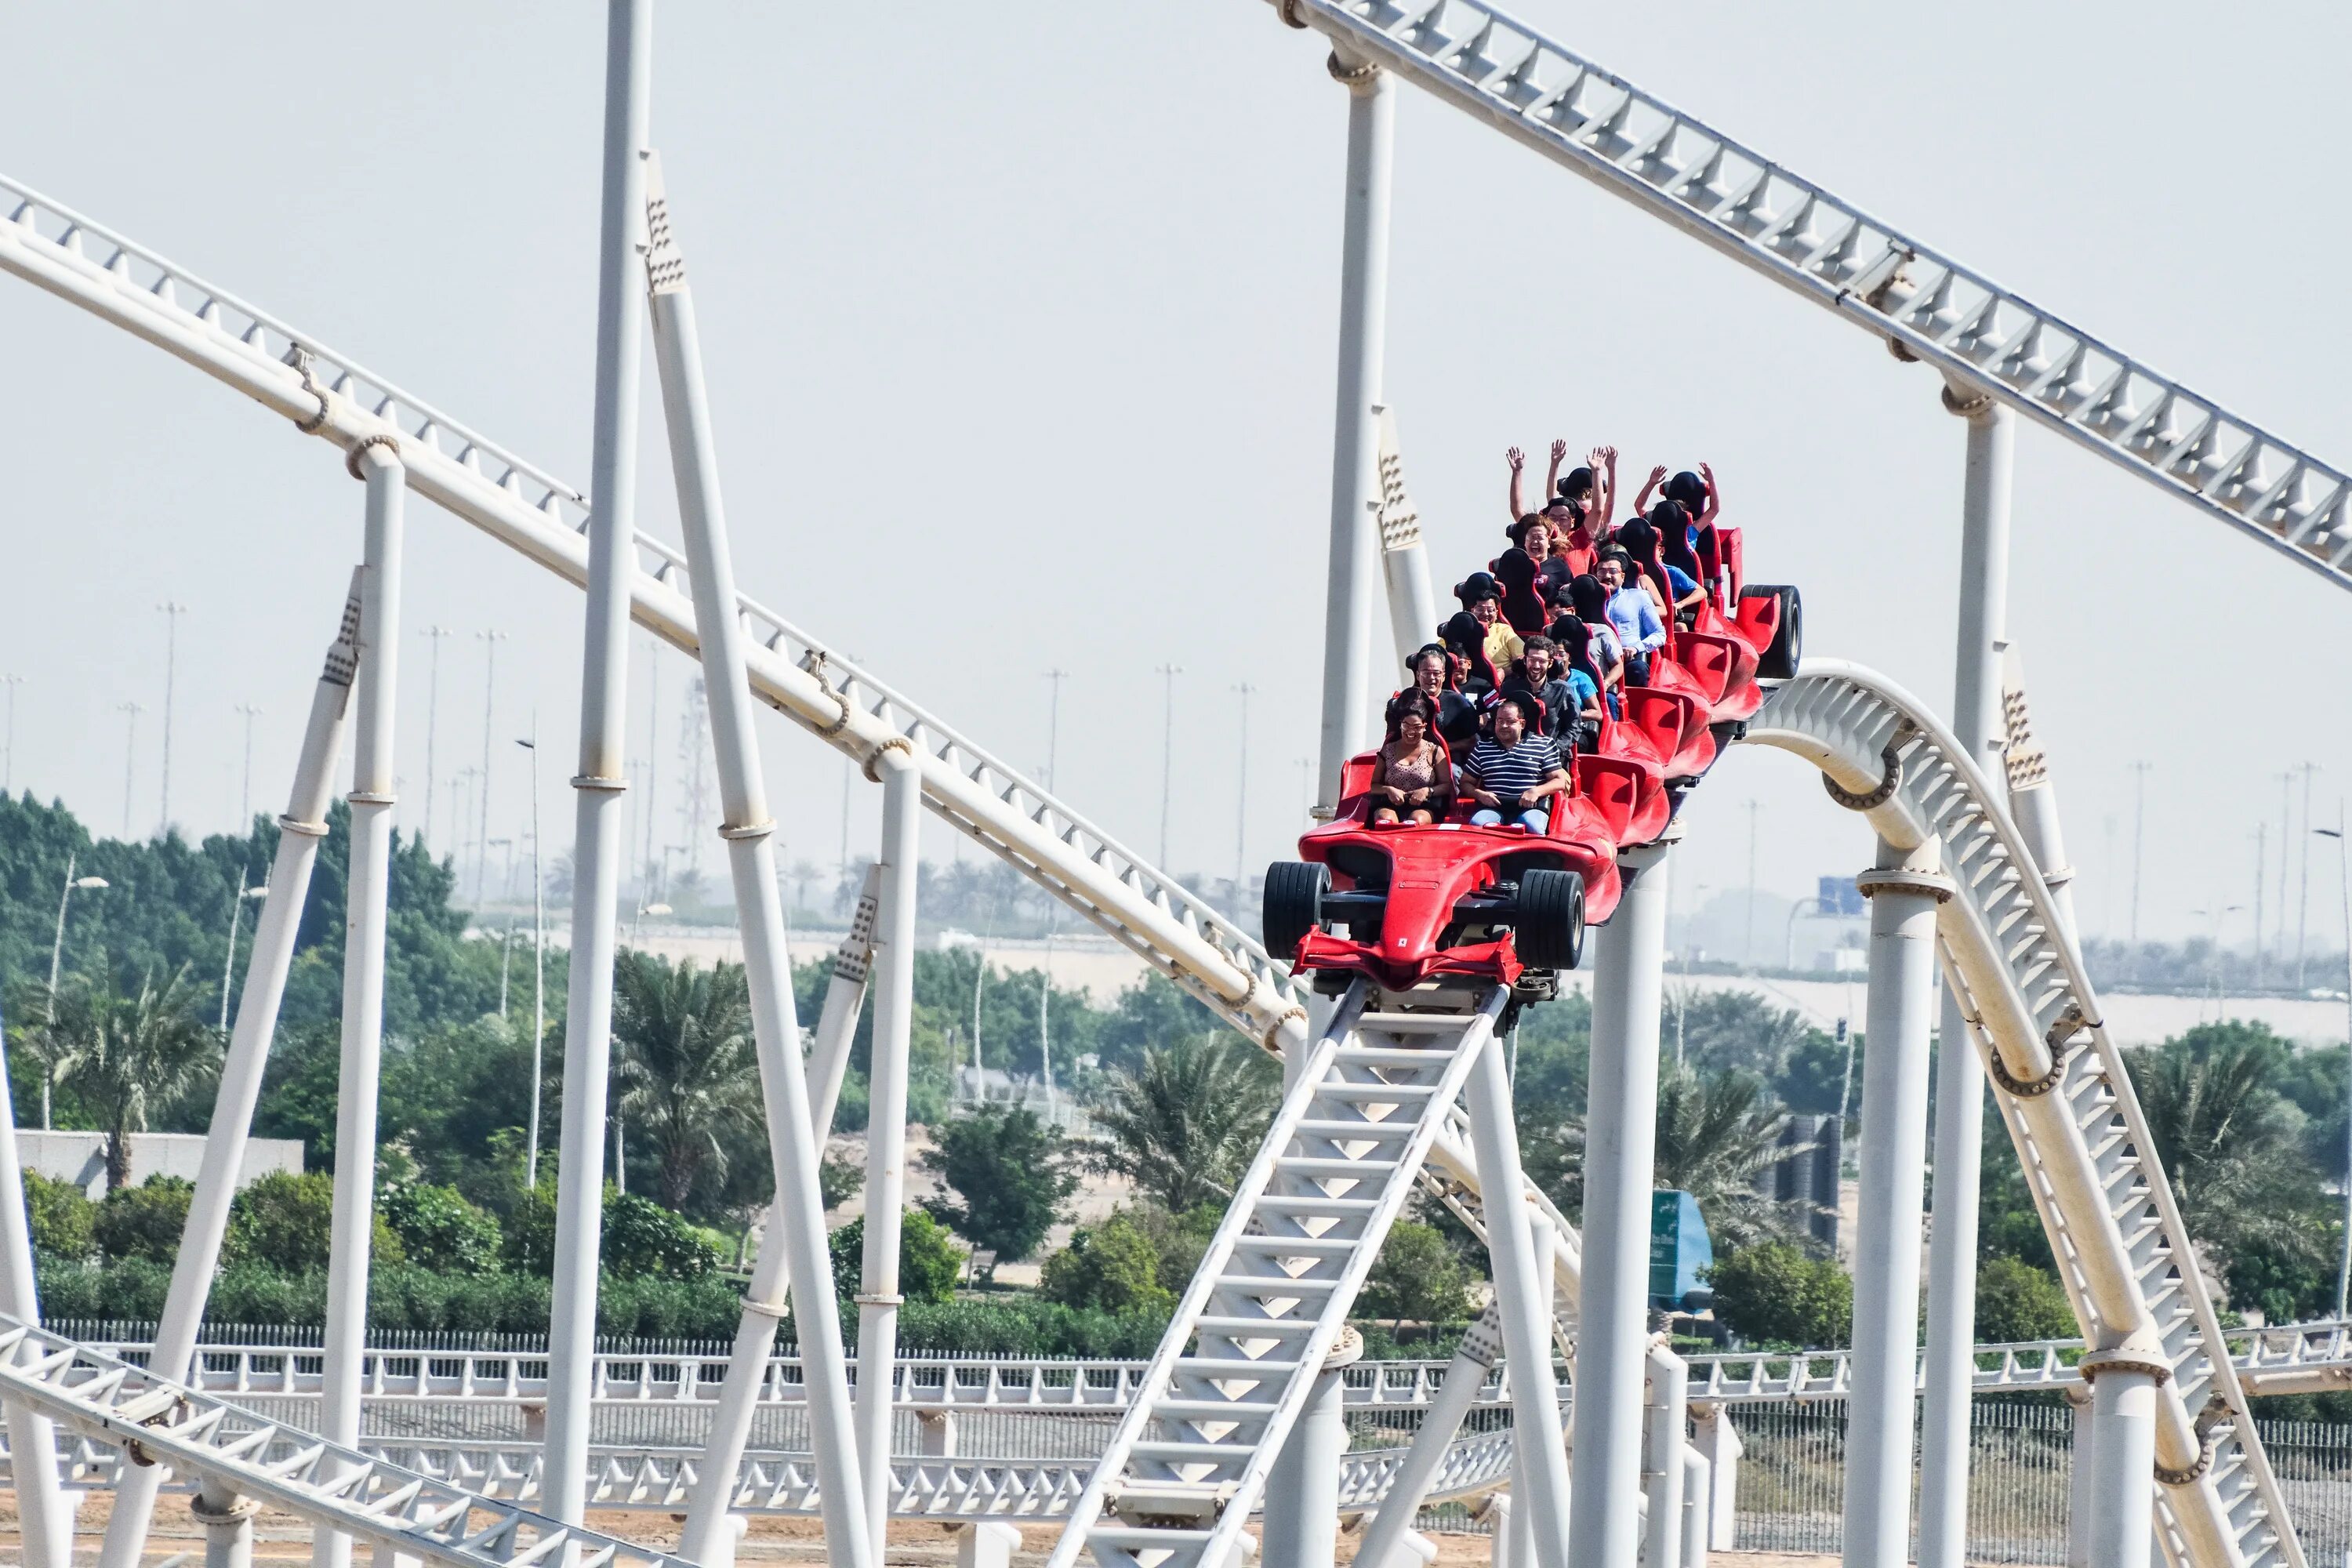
x: 1707, y: 184
x: 2126, y: 1258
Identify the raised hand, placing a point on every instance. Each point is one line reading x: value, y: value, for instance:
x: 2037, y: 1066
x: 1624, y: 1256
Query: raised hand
x: 1708, y: 474
x: 1516, y: 458
x: 1559, y: 448
x: 1657, y: 474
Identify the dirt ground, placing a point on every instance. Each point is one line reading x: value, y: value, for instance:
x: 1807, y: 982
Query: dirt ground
x: 282, y: 1538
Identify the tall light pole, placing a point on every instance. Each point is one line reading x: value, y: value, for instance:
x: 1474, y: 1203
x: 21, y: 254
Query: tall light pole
x: 2303, y: 879
x: 1748, y: 953
x: 228, y: 964
x: 2262, y: 858
x: 1054, y: 723
x: 57, y: 965
x: 2139, y: 836
x: 1241, y: 809
x: 170, y: 610
x: 653, y: 766
x: 2221, y: 913
x: 2343, y: 883
x: 249, y: 712
x: 538, y: 961
x: 490, y: 640
x: 130, y: 711
x: 9, y: 763
x: 432, y: 717
x: 1168, y: 674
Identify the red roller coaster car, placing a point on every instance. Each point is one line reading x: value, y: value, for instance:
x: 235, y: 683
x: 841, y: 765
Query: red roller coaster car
x: 1408, y: 906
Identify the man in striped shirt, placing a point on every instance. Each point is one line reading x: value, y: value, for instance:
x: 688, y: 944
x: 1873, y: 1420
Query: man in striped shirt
x: 1512, y: 772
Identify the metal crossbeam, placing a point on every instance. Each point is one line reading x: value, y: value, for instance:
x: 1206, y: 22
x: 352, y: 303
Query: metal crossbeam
x: 1674, y: 166
x: 153, y: 1421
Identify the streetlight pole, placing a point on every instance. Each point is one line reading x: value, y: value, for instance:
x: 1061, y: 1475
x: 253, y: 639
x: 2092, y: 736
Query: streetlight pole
x: 490, y: 640
x: 1168, y: 674
x: 2139, y: 824
x: 2343, y: 883
x: 2302, y: 881
x: 538, y: 961
x: 171, y: 610
x: 1748, y: 951
x: 57, y: 964
x: 245, y: 799
x: 1241, y: 807
x: 1053, y: 724
x: 432, y: 718
x: 228, y: 964
x: 130, y: 711
x: 8, y: 764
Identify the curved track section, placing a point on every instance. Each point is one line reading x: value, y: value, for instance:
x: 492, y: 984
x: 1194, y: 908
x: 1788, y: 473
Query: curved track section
x: 2128, y: 1264
x: 530, y: 511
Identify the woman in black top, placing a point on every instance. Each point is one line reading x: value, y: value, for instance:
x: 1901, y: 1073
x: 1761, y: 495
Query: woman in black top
x: 1457, y: 716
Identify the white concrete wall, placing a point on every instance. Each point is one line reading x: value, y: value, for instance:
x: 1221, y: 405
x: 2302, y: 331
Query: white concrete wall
x: 80, y: 1157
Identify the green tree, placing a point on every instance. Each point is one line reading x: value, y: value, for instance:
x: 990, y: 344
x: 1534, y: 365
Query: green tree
x: 929, y: 1263
x: 1184, y: 1125
x: 1113, y: 1266
x: 1417, y: 1278
x: 144, y: 1221
x: 2016, y: 1302
x: 1010, y: 1172
x: 129, y: 1058
x: 690, y: 1076
x: 438, y: 1229
x: 1715, y: 1135
x: 1776, y: 1294
x: 642, y: 1239
x: 62, y: 1219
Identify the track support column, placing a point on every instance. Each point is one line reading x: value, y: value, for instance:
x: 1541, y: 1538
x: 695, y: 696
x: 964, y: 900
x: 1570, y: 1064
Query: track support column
x: 227, y: 1518
x: 1620, y: 1147
x: 886, y: 1132
x: 1301, y: 1519
x: 45, y: 1517
x: 603, y: 775
x: 795, y: 1140
x: 1523, y: 1294
x: 1903, y: 890
x: 1949, y: 1369
x: 1480, y: 1350
x: 2119, y: 1495
x: 377, y: 461
x: 1667, y: 1393
x: 299, y: 831
x: 1355, y: 435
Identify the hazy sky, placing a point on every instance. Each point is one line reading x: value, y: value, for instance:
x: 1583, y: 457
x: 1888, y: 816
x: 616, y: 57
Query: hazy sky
x: 1020, y: 326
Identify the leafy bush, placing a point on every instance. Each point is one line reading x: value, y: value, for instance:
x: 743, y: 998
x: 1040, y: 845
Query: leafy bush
x: 1776, y: 1294
x: 642, y: 1239
x: 1025, y: 1326
x: 1113, y: 1266
x: 144, y: 1221
x: 929, y: 1263
x: 439, y: 1229
x: 134, y: 1289
x: 62, y: 1218
x: 2017, y: 1301
x: 1010, y: 1170
x: 838, y: 1177
x: 288, y: 1223
x: 1417, y: 1278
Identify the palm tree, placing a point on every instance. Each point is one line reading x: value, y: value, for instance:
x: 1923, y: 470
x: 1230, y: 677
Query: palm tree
x: 1715, y: 1135
x: 1185, y: 1123
x: 128, y: 1057
x: 688, y: 1069
x: 2221, y: 1126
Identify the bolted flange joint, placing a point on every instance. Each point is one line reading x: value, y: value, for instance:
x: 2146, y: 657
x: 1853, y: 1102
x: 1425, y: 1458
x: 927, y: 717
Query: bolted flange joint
x: 1892, y: 879
x: 391, y: 445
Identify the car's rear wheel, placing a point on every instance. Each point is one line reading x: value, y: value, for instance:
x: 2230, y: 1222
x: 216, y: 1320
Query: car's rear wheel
x: 1293, y: 905
x: 1779, y: 662
x: 1549, y: 924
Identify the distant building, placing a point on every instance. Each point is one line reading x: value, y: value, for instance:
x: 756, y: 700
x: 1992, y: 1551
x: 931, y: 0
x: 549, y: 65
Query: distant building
x: 80, y: 1157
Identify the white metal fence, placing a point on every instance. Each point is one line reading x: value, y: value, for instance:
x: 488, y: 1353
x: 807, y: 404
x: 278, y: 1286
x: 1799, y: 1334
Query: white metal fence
x: 1792, y: 1476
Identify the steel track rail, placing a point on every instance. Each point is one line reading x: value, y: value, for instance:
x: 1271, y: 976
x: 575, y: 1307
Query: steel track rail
x: 1921, y: 302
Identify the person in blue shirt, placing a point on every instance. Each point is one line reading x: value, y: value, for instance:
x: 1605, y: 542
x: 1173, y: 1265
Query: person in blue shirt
x: 1632, y: 615
x: 1512, y: 772
x: 1677, y: 592
x: 1579, y: 729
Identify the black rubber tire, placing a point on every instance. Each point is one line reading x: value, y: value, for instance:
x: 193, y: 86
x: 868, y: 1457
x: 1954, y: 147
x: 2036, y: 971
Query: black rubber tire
x: 1292, y: 904
x: 1548, y: 930
x: 1780, y: 661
